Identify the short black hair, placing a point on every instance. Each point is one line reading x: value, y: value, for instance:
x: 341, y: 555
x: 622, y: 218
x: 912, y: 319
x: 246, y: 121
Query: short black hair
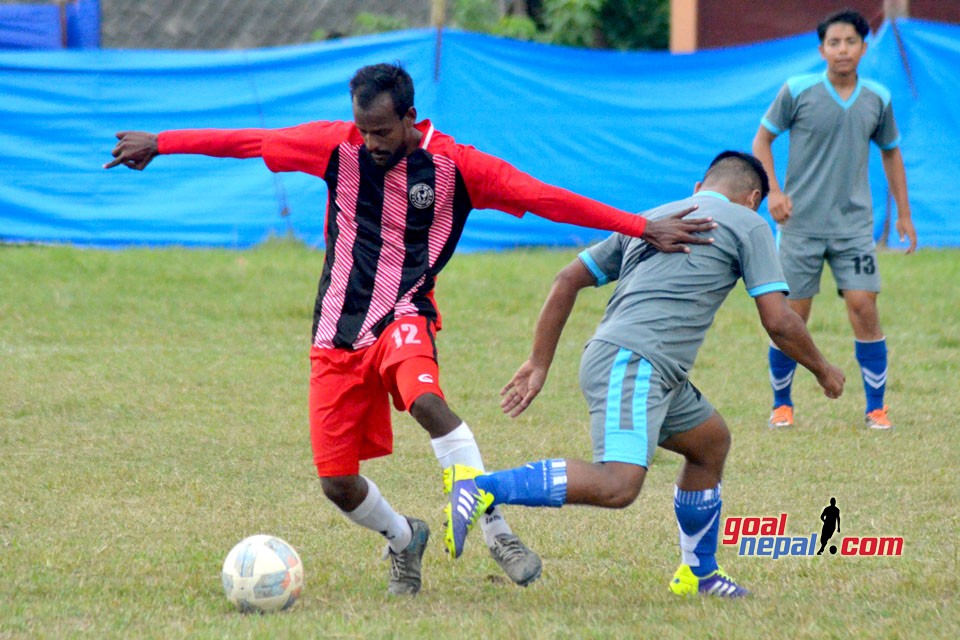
x: 370, y: 81
x: 847, y: 16
x: 745, y: 168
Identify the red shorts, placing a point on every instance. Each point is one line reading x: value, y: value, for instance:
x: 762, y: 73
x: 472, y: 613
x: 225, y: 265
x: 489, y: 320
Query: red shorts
x: 349, y: 393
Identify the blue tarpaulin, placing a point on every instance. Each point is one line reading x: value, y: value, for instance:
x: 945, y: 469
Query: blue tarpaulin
x: 632, y: 129
x: 39, y: 26
x: 24, y: 26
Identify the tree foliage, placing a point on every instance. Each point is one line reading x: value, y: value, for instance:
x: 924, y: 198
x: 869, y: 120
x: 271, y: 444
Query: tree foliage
x: 615, y: 24
x: 619, y: 24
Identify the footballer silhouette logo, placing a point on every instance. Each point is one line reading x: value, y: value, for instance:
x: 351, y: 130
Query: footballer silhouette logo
x: 830, y: 517
x: 853, y: 546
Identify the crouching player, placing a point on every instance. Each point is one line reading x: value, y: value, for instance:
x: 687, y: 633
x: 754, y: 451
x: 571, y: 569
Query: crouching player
x: 634, y: 373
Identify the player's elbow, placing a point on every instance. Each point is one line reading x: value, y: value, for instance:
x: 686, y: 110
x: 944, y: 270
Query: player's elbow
x: 573, y: 277
x: 779, y: 325
x: 762, y: 141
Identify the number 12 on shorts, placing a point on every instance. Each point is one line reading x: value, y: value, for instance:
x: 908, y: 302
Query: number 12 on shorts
x: 407, y: 334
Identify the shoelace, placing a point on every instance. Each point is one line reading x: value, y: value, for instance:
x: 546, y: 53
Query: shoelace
x: 398, y: 565
x: 511, y: 548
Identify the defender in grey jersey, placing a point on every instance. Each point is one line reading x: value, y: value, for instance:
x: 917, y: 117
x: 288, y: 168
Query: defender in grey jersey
x: 634, y: 372
x: 824, y: 211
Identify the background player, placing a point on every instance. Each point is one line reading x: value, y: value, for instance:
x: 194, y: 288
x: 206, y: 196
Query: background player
x: 634, y: 372
x: 399, y: 196
x: 824, y: 211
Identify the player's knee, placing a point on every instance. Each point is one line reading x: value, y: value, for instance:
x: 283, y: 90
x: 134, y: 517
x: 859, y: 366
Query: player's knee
x: 711, y: 446
x: 621, y: 486
x: 342, y: 491
x: 434, y: 414
x: 620, y: 496
x: 721, y: 442
x: 427, y: 406
x: 863, y: 307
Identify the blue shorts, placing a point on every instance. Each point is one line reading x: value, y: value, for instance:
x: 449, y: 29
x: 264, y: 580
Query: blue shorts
x: 632, y: 409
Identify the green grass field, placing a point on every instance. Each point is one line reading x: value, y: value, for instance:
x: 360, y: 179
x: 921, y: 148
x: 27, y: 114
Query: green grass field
x: 153, y: 413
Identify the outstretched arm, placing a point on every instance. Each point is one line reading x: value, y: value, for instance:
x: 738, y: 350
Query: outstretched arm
x: 669, y: 234
x: 136, y: 149
x: 495, y: 184
x: 532, y: 374
x: 790, y: 334
x: 897, y: 181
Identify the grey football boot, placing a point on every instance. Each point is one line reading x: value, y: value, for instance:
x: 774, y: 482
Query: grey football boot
x: 405, y: 566
x: 519, y: 562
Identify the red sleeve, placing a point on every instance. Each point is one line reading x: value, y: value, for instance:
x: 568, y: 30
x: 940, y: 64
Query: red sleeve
x: 305, y: 148
x: 219, y: 143
x: 495, y: 184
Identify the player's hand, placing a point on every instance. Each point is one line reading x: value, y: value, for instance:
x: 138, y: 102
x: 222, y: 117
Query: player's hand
x: 522, y: 388
x: 672, y: 233
x: 135, y: 150
x: 906, y: 231
x: 832, y: 380
x: 780, y: 205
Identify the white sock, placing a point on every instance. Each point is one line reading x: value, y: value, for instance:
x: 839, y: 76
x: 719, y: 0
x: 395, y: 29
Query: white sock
x: 460, y: 447
x: 376, y: 514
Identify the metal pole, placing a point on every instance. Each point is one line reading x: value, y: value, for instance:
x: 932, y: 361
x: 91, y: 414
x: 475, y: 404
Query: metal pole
x: 438, y: 17
x: 64, y: 27
x: 893, y: 9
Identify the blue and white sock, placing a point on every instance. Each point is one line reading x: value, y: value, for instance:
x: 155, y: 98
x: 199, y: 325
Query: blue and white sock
x: 698, y: 515
x: 782, y: 368
x: 537, y: 484
x: 872, y: 357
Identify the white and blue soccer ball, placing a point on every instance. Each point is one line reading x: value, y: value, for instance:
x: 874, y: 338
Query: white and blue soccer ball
x: 262, y: 574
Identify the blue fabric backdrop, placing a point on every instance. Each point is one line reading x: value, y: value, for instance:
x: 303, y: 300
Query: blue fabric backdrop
x: 37, y: 26
x: 24, y: 26
x: 631, y: 129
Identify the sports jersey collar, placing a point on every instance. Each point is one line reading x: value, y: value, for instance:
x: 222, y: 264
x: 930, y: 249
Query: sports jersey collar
x: 836, y: 96
x: 426, y: 128
x: 712, y: 194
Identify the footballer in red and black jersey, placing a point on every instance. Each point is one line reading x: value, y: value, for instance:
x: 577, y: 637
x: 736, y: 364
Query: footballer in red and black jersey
x: 390, y: 230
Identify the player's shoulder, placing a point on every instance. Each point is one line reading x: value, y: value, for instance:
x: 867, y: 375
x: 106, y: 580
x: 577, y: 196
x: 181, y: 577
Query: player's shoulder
x: 438, y: 142
x: 876, y: 88
x: 670, y: 208
x: 337, y: 130
x: 802, y: 83
x: 733, y: 217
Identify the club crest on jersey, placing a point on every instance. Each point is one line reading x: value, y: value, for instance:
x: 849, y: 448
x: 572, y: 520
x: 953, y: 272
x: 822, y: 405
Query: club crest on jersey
x: 421, y: 195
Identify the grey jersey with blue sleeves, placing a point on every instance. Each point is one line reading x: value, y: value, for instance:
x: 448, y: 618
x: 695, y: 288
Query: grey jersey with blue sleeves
x: 664, y: 303
x: 827, y: 175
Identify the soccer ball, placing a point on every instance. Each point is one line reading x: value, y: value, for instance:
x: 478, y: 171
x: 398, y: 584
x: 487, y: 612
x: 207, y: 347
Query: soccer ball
x: 262, y: 574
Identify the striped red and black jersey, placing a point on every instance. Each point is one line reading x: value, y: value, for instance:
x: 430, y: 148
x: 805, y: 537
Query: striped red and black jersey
x: 389, y: 232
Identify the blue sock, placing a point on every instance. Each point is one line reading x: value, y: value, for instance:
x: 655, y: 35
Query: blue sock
x: 872, y: 357
x: 698, y: 514
x: 537, y: 484
x: 782, y: 367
